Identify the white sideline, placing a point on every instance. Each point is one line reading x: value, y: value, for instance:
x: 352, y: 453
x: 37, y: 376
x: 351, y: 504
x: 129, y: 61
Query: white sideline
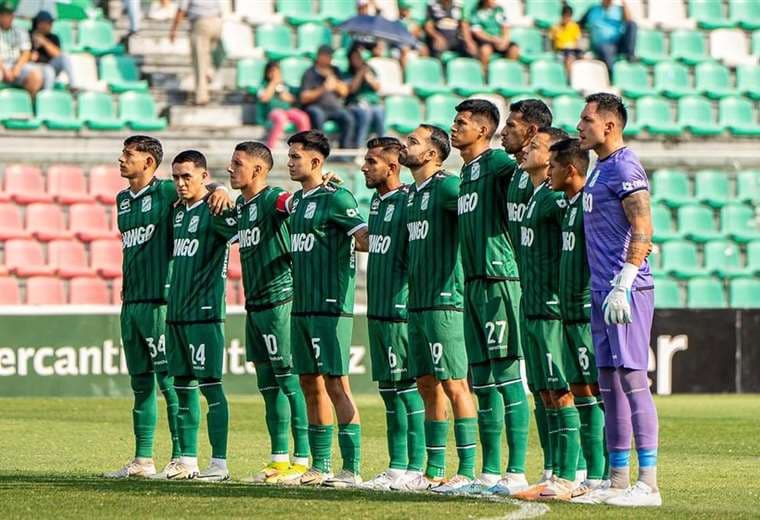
x: 525, y: 510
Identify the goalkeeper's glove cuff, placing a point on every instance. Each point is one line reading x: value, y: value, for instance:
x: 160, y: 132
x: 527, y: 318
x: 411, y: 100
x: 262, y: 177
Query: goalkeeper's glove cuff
x: 626, y: 276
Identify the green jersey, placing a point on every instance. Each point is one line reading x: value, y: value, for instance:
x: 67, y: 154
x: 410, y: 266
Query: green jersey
x: 322, y: 224
x: 519, y: 193
x: 387, y: 283
x: 436, y: 279
x: 540, y: 246
x: 144, y: 220
x: 265, y: 249
x: 491, y: 20
x: 487, y: 250
x: 199, y: 272
x: 574, y: 274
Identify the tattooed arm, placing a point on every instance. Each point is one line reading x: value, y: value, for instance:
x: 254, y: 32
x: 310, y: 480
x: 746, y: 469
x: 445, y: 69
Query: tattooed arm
x: 639, y: 215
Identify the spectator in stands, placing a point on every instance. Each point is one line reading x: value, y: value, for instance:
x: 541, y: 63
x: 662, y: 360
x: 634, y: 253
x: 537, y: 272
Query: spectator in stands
x: 16, y: 54
x: 134, y: 14
x: 323, y: 96
x: 447, y: 29
x: 566, y: 38
x: 490, y: 30
x: 363, y: 99
x: 205, y: 32
x: 46, y: 50
x: 276, y: 104
x: 612, y: 31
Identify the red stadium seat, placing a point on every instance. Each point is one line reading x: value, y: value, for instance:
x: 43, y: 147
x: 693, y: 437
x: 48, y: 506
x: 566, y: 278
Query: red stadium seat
x: 234, y: 268
x: 233, y: 293
x: 89, y: 291
x: 89, y: 222
x: 9, y: 293
x: 45, y: 290
x: 25, y: 184
x: 26, y: 258
x: 69, y: 259
x: 46, y: 222
x: 68, y: 185
x: 11, y: 223
x: 116, y: 291
x: 105, y: 258
x: 105, y: 183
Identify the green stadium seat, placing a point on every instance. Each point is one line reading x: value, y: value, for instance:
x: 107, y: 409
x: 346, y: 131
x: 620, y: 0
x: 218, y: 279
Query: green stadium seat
x: 653, y: 113
x: 311, y: 36
x: 425, y: 75
x: 705, y: 292
x: 361, y: 192
x: 337, y: 11
x: 507, y: 77
x: 671, y: 79
x: 97, y: 112
x: 745, y: 14
x: 417, y: 9
x: 748, y: 186
x: 250, y: 74
x: 531, y: 43
x: 756, y: 42
x: 753, y: 257
x: 748, y: 81
x: 632, y: 79
x: 713, y: 80
x: 545, y: 13
x: 97, y: 37
x: 697, y: 222
x: 17, y: 111
x: 712, y: 188
x: 567, y: 111
x: 55, y: 108
x: 740, y: 222
x: 696, y: 115
x: 737, y: 114
x: 439, y: 110
x: 680, y: 259
x: 297, y: 12
x: 138, y: 111
x: 580, y: 7
x: 671, y: 187
x: 76, y: 10
x: 667, y: 294
x: 64, y: 29
x: 548, y: 78
x: 655, y: 260
x: 465, y: 77
x: 744, y: 293
x: 709, y: 14
x: 662, y: 222
x: 688, y: 46
x: 292, y: 70
x: 276, y: 40
x: 650, y: 46
x: 121, y: 74
x: 723, y: 259
x: 402, y: 113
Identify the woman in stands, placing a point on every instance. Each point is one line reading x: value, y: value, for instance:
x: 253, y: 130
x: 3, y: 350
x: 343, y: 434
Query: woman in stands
x: 363, y: 99
x: 46, y: 51
x: 276, y: 102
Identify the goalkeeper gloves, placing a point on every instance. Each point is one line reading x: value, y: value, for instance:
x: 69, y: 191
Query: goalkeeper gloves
x: 617, y: 304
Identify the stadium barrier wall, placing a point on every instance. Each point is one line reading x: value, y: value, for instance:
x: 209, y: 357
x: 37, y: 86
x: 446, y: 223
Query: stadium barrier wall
x: 76, y: 351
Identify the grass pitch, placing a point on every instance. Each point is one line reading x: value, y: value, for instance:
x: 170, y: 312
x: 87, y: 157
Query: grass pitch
x: 52, y: 451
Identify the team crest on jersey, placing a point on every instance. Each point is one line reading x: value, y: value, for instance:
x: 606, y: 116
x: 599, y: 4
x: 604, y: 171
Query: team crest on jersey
x: 310, y: 209
x: 193, y: 227
x: 147, y: 204
x: 475, y: 172
x: 375, y: 204
x: 571, y: 220
x: 523, y: 180
x: 410, y: 199
x: 178, y: 219
x: 389, y: 212
x: 561, y: 203
x: 295, y: 203
x: 425, y: 200
x: 253, y: 213
x: 124, y: 206
x: 352, y: 212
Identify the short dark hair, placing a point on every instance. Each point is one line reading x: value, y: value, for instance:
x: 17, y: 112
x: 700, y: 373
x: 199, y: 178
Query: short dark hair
x: 534, y: 112
x: 146, y: 144
x: 314, y: 140
x: 256, y: 149
x: 483, y: 108
x: 191, y: 156
x: 566, y: 9
x: 440, y: 140
x: 606, y: 102
x: 386, y: 143
x: 555, y: 134
x: 568, y: 151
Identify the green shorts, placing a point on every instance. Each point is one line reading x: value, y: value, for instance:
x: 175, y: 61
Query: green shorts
x: 195, y: 349
x: 321, y: 344
x: 267, y: 336
x: 545, y: 354
x: 491, y: 320
x: 143, y: 328
x: 436, y: 345
x: 580, y: 366
x: 388, y: 347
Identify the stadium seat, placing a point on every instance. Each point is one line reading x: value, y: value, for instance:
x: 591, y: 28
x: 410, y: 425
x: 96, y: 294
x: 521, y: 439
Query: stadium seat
x: 89, y: 291
x: 138, y: 111
x: 439, y: 109
x: 116, y: 286
x: 311, y: 36
x: 695, y: 114
x: 753, y: 257
x: 250, y: 75
x: 45, y: 290
x: 507, y: 77
x: 234, y: 268
x: 11, y: 223
x: 688, y: 46
x: 723, y: 259
x: 425, y: 76
x: 515, y: 13
x: 705, y: 293
x: 667, y: 294
x: 9, y: 291
x: 731, y: 47
x: 89, y: 222
x: 69, y: 259
x: 680, y: 259
x: 548, y: 78
x: 46, y: 222
x: 465, y: 76
x: 121, y: 74
x: 670, y: 15
x: 232, y: 292
x: 297, y: 12
x: 709, y: 14
x: 654, y: 259
x: 566, y: 112
x: 97, y: 37
x: 713, y: 80
x: 96, y: 111
x: 744, y: 293
x: 64, y: 29
x: 105, y: 258
x: 55, y: 108
x: 740, y: 222
x: 745, y: 14
x: 636, y: 8
x: 545, y: 13
x: 337, y: 11
x: 712, y: 188
x: 86, y: 73
x: 748, y: 81
x: 26, y: 258
x: 67, y: 184
x: 671, y: 79
x: 590, y: 76
x: 737, y: 114
x: 16, y: 110
x: 257, y: 13
x: 402, y: 113
x: 580, y: 7
x: 654, y: 114
x: 292, y: 70
x: 662, y: 222
x: 748, y: 186
x: 105, y: 183
x: 237, y: 41
x: 650, y: 46
x: 632, y: 79
x: 697, y: 222
x: 276, y: 40
x: 77, y: 10
x: 25, y: 184
x: 388, y: 72
x: 756, y: 43
x: 531, y: 43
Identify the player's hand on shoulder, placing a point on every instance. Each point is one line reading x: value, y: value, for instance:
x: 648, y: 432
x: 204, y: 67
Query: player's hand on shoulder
x: 331, y: 177
x: 219, y: 201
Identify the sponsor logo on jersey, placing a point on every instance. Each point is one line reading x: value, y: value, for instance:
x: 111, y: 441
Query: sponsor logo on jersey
x: 147, y: 203
x: 302, y: 242
x: 185, y: 246
x: 137, y: 236
x: 475, y: 172
x: 568, y: 240
x: 571, y: 218
x: 178, y: 219
x: 193, y: 226
x: 389, y: 212
x: 561, y: 203
x: 526, y: 236
x: 253, y: 213
x: 594, y: 177
x: 310, y: 209
x: 467, y: 203
x: 523, y: 182
x: 379, y: 244
x: 352, y: 212
x: 123, y: 206
x: 588, y: 203
x: 515, y: 212
x: 418, y: 230
x: 425, y: 200
x: 250, y: 237
x: 638, y: 183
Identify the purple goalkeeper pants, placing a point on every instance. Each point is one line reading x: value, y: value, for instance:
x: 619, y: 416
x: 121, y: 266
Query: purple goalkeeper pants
x: 623, y: 346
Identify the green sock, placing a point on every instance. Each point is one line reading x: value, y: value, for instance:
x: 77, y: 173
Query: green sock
x: 465, y: 435
x: 188, y: 415
x: 320, y: 441
x: 542, y: 425
x: 396, y: 425
x: 592, y: 435
x: 144, y: 413
x: 552, y: 420
x: 569, y: 441
x: 218, y: 417
x: 276, y: 409
x: 415, y: 424
x: 436, y: 437
x: 517, y: 420
x: 166, y: 384
x: 350, y: 444
x: 490, y: 426
x: 581, y: 465
x: 299, y: 422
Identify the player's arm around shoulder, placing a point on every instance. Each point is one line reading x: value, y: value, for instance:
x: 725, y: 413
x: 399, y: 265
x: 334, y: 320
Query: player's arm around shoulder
x: 502, y: 164
x: 449, y: 190
x: 218, y: 198
x: 225, y: 224
x: 345, y: 214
